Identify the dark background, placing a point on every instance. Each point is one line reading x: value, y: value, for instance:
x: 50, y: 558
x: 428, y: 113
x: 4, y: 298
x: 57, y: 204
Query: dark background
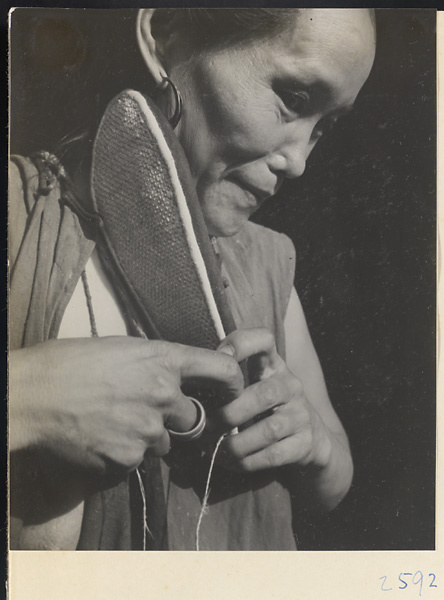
x: 363, y: 222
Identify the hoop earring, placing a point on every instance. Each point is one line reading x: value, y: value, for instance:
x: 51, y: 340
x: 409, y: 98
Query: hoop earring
x: 161, y: 88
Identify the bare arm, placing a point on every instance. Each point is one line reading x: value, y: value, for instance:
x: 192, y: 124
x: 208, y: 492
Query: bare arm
x: 331, y: 483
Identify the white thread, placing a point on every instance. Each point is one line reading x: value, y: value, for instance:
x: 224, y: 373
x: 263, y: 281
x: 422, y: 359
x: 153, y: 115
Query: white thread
x: 146, y: 529
x: 204, y: 508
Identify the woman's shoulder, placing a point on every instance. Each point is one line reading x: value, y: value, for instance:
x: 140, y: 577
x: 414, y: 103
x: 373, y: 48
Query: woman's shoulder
x: 260, y: 255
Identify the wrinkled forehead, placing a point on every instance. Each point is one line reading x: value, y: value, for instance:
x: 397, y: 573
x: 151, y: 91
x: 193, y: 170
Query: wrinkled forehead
x: 346, y: 34
x: 335, y: 45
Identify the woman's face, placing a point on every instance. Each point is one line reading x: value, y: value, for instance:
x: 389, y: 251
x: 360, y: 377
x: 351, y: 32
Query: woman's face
x: 253, y: 113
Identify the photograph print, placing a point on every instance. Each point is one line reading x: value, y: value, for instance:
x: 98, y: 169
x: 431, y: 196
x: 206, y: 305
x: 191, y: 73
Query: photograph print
x: 222, y: 256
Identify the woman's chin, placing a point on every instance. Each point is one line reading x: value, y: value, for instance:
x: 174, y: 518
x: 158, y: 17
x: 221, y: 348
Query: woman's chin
x: 226, y: 227
x: 226, y: 208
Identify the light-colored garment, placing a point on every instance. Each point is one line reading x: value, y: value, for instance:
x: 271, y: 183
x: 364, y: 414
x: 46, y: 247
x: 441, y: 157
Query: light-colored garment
x: 49, y: 249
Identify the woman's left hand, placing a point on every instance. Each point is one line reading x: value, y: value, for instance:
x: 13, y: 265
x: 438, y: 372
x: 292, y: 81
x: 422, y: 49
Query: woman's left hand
x: 290, y: 432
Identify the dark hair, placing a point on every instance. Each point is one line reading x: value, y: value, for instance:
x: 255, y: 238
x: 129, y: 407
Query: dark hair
x: 209, y: 28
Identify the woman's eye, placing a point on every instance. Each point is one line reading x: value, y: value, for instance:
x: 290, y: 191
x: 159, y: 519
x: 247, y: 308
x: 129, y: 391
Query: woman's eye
x: 296, y: 102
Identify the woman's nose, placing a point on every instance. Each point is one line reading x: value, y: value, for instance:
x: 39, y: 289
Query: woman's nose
x: 295, y: 161
x: 291, y: 156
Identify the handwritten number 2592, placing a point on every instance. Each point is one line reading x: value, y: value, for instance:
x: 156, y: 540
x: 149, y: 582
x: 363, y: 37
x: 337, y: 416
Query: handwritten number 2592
x: 418, y: 579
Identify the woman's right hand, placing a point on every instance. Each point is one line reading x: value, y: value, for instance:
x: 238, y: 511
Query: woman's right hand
x: 103, y: 402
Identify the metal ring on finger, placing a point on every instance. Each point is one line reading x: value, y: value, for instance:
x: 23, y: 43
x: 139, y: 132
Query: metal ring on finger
x: 198, y: 429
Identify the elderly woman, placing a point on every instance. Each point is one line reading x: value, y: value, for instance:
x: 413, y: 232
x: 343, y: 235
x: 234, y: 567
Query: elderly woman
x: 90, y: 416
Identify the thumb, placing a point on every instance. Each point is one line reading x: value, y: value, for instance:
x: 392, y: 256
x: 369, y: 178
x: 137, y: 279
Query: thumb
x: 258, y: 342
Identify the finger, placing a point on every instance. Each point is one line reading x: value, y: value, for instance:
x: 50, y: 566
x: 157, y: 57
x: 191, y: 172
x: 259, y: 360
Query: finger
x: 258, y: 436
x: 182, y: 415
x: 254, y: 400
x: 162, y: 447
x: 285, y: 452
x: 195, y: 363
x: 248, y: 342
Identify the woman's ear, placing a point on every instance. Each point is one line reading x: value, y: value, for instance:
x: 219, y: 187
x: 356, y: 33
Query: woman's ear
x: 148, y: 45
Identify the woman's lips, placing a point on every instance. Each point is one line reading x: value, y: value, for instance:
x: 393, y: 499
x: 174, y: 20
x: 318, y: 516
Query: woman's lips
x: 259, y: 194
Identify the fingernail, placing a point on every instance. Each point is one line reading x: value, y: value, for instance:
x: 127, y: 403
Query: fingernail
x: 226, y: 349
